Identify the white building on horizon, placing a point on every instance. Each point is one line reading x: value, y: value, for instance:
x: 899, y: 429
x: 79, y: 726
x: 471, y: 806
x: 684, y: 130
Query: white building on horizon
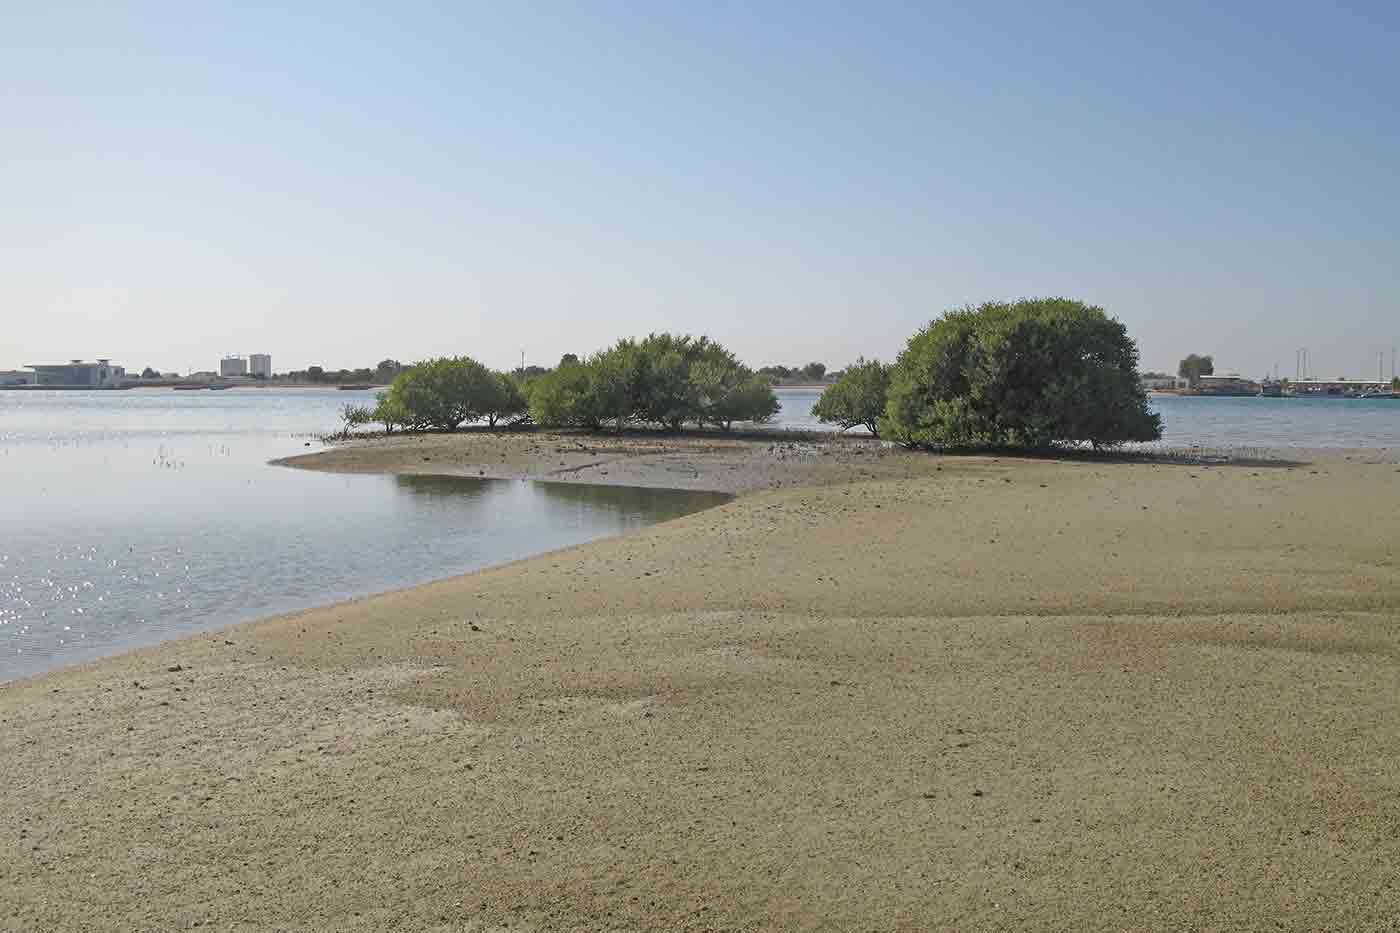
x: 260, y: 364
x: 75, y: 373
x: 17, y: 377
x: 233, y: 366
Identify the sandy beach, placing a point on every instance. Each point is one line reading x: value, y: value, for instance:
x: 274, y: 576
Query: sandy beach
x: 877, y: 690
x: 709, y: 461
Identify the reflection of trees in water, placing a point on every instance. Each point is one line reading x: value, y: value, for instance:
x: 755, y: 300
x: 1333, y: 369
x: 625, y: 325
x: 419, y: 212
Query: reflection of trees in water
x: 441, y: 486
x: 656, y: 504
x: 626, y: 501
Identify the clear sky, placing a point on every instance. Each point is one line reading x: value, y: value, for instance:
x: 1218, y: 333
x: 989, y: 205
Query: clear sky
x: 334, y: 183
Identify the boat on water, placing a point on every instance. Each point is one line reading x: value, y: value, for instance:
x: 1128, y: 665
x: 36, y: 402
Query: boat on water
x: 190, y: 388
x: 357, y: 387
x: 218, y: 387
x: 1389, y: 395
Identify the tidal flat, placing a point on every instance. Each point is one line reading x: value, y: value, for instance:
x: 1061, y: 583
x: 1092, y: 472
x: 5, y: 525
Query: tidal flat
x: 877, y: 690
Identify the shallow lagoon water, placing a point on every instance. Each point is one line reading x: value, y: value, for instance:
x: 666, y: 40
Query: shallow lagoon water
x: 129, y: 518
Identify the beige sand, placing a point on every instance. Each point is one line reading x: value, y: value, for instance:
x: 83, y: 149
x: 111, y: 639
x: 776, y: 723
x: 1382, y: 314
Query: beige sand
x: 711, y: 461
x: 912, y: 693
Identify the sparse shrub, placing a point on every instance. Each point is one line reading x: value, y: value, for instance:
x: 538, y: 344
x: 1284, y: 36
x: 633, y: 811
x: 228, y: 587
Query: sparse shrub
x: 389, y: 413
x: 355, y: 416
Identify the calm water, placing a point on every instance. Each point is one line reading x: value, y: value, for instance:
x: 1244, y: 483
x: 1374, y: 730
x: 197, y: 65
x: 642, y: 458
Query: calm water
x: 1225, y: 422
x: 131, y: 517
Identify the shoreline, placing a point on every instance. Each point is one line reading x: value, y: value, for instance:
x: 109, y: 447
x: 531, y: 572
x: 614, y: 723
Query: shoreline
x: 737, y: 463
x: 733, y: 463
x: 874, y: 690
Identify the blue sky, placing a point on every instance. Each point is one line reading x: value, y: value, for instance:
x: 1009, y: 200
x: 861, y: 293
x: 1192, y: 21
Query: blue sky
x: 335, y: 184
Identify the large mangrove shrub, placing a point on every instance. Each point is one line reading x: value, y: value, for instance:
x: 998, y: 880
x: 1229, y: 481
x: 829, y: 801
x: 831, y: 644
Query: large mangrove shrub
x: 857, y: 397
x: 663, y: 380
x: 722, y: 390
x: 1033, y: 373
x: 447, y: 392
x: 577, y: 395
x: 506, y: 401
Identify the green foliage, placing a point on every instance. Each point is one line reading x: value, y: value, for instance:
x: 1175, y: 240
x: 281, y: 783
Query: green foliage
x: 566, y: 396
x: 663, y: 379
x: 446, y: 392
x: 1395, y: 384
x: 927, y: 382
x: 812, y: 372
x: 750, y: 399
x: 1194, y: 367
x: 723, y: 390
x: 656, y: 376
x: 356, y: 416
x: 507, y: 400
x: 857, y: 397
x: 389, y: 413
x: 1033, y: 374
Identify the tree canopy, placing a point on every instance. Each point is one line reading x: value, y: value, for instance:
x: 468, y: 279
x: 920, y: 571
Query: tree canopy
x: 779, y: 374
x: 446, y: 392
x: 857, y: 397
x: 1194, y: 367
x: 1031, y: 373
x: 662, y: 379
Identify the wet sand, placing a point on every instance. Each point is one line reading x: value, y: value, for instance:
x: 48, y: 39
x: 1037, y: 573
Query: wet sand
x: 898, y: 691
x: 708, y: 461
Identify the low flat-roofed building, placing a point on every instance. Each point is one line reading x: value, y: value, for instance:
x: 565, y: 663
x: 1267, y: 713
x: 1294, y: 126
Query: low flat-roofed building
x: 16, y: 377
x: 75, y: 373
x: 1228, y: 384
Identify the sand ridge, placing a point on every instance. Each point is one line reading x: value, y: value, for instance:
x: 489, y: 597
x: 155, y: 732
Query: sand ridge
x: 707, y: 461
x: 901, y: 692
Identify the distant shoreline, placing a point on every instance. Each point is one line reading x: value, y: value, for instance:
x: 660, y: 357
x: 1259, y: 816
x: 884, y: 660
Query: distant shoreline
x: 222, y: 386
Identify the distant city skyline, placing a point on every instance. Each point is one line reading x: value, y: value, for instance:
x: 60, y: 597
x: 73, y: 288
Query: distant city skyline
x: 1383, y: 364
x: 339, y: 185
